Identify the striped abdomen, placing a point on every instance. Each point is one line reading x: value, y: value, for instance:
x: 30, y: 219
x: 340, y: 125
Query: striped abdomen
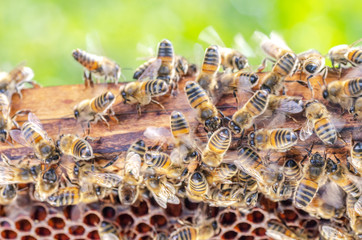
x: 305, y: 192
x: 185, y: 233
x: 195, y: 94
x: 179, y: 124
x: 353, y: 87
x: 349, y: 187
x: 220, y: 141
x: 102, y: 102
x: 138, y: 147
x: 158, y: 159
x: 356, y: 153
x: 65, y: 196
x: 285, y: 65
x: 90, y: 61
x: 257, y: 103
x: 142, y: 68
x: 325, y: 130
x: 155, y: 87
x: 224, y: 171
x: 165, y: 51
x: 276, y: 229
x: 197, y: 184
x: 354, y: 56
x: 32, y: 133
x: 212, y: 60
x: 282, y: 138
x: 250, y: 162
x: 81, y: 149
x: 292, y: 169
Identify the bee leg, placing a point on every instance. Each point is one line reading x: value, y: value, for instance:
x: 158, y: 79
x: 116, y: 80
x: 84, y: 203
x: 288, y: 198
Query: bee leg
x: 294, y: 120
x: 159, y: 104
x: 138, y: 107
x: 236, y: 98
x: 89, y: 127
x: 340, y: 137
x: 85, y: 79
x: 111, y: 162
x: 104, y: 120
x: 263, y: 64
x: 310, y: 85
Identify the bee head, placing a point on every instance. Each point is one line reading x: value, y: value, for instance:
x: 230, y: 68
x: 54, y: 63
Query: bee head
x: 311, y: 68
x: 3, y: 135
x: 76, y: 54
x: 254, y: 78
x: 52, y: 159
x: 50, y: 176
x: 234, y: 127
x: 240, y: 62
x: 331, y: 166
x: 212, y: 123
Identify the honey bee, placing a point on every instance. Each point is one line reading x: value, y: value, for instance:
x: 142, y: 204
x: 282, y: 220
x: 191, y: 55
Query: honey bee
x: 224, y: 195
x: 138, y: 147
x: 141, y: 93
x: 342, y: 54
x: 103, y: 179
x: 65, y: 196
x: 197, y: 187
x: 341, y: 92
x: 158, y: 160
x: 356, y: 109
x: 22, y: 173
x: 353, y: 55
x: 285, y: 104
x: 354, y: 217
x: 128, y: 194
x: 33, y: 135
x: 92, y: 110
x: 356, y: 156
x: 313, y: 178
x: 320, y: 209
x: 222, y: 173
x: 248, y: 182
x: 108, y: 231
x: 14, y: 81
x: 280, y: 139
x: 47, y: 182
x: 207, y: 113
x: 98, y: 65
x: 162, y: 191
x: 93, y: 193
x: 8, y: 193
x: 277, y: 230
x: 254, y: 107
x: 293, y: 173
x: 216, y: 147
x: 319, y: 120
x: 251, y: 163
x: 6, y: 122
x: 207, y: 77
x: 334, y: 233
x: 204, y: 231
x: 75, y: 146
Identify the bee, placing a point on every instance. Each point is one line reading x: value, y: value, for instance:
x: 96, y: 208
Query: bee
x: 319, y: 120
x: 313, y: 178
x: 167, y: 70
x: 47, y: 183
x: 207, y: 113
x: 92, y: 110
x: 14, y: 81
x: 8, y: 193
x: 356, y: 156
x: 75, y: 146
x: 108, y: 231
x: 210, y: 66
x: 158, y: 160
x: 330, y: 232
x: 356, y: 109
x: 138, y: 147
x: 293, y: 173
x: 128, y: 194
x: 354, y: 217
x: 197, y: 187
x: 93, y: 193
x: 182, y: 66
x: 341, y: 92
x: 141, y: 93
x: 222, y: 173
x: 22, y: 173
x: 248, y: 182
x: 202, y: 232
x: 216, y: 147
x: 277, y: 230
x: 98, y: 65
x: 251, y: 163
x: 254, y: 107
x: 224, y: 195
x: 320, y: 209
x: 342, y: 54
x: 280, y: 139
x: 232, y: 82
x: 103, y: 179
x: 32, y: 134
x: 6, y: 122
x: 354, y: 56
x: 162, y: 191
x: 65, y: 196
x: 285, y: 104
x: 338, y: 173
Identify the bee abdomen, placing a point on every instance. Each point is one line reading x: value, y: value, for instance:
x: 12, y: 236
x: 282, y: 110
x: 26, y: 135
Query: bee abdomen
x: 165, y: 51
x: 283, y: 138
x: 142, y: 68
x: 179, y: 125
x: 158, y: 159
x: 285, y: 64
x: 89, y: 61
x: 198, y: 184
x: 220, y: 141
x: 156, y: 87
x: 326, y: 131
x: 102, y: 102
x: 195, y: 94
x: 211, y: 60
x: 355, y: 56
x: 65, y: 197
x: 186, y: 233
x: 355, y: 87
x: 258, y: 102
x: 138, y: 147
x: 305, y: 192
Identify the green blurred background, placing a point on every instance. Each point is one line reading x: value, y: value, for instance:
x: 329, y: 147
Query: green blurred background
x: 43, y: 33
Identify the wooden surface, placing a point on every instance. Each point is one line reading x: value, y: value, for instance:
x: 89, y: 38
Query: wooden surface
x: 54, y: 107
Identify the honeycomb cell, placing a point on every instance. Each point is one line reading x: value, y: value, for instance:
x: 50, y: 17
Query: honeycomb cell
x: 28, y: 237
x: 2, y: 211
x: 5, y: 224
x: 158, y: 220
x: 288, y: 215
x: 42, y: 231
x: 146, y: 238
x: 242, y: 227
x: 246, y: 238
x: 302, y: 213
x: 38, y: 213
x: 91, y: 219
x: 94, y: 235
x: 72, y: 212
x: 212, y: 212
x: 108, y: 212
x: 23, y: 225
x: 255, y: 217
x: 191, y: 205
x: 287, y: 203
x: 9, y: 234
x: 56, y: 223
x: 61, y: 236
x: 174, y: 210
x: 143, y: 228
x: 76, y: 230
x: 227, y: 218
x: 124, y: 220
x: 259, y: 231
x: 229, y: 235
x: 310, y: 224
x: 141, y: 209
x: 267, y: 205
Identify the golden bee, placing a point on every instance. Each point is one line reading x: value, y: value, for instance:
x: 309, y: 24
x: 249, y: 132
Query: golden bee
x: 8, y: 193
x: 356, y: 109
x: 22, y: 172
x: 216, y: 147
x: 328, y: 231
x: 343, y: 54
x: 250, y: 162
x: 75, y: 146
x: 236, y: 81
x: 285, y: 104
x: 93, y: 110
x: 280, y: 139
x: 354, y: 217
x: 197, y: 187
x: 222, y: 173
x: 254, y: 107
x: 207, y: 113
x: 162, y: 191
x: 100, y: 66
x: 203, y: 231
x: 141, y: 93
x: 33, y: 135
x: 277, y: 230
x: 319, y: 121
x: 47, y: 183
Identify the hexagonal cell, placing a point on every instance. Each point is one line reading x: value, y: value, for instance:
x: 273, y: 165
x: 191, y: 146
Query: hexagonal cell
x: 23, y: 225
x: 72, y: 212
x: 212, y: 212
x: 267, y: 205
x: 259, y: 231
x: 124, y: 220
x: 242, y: 227
x: 310, y: 224
x: 255, y: 217
x: 93, y: 235
x: 38, y: 213
x: 91, y: 219
x: 146, y: 238
x: 227, y: 218
x: 5, y: 223
x: 288, y: 215
x: 76, y: 230
x: 141, y: 209
x: 158, y: 220
x: 28, y: 237
x: 229, y: 235
x: 287, y: 203
x: 56, y: 223
x: 143, y: 228
x: 9, y: 234
x: 246, y: 238
x: 61, y: 236
x: 43, y: 231
x: 174, y: 210
x: 108, y: 212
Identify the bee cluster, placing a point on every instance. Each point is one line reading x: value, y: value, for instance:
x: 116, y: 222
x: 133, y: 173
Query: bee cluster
x: 234, y: 170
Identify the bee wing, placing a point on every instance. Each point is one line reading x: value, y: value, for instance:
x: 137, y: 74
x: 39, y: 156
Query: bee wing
x: 291, y: 105
x: 17, y: 136
x: 210, y: 36
x: 100, y: 177
x: 147, y: 47
x: 173, y: 199
x: 151, y: 71
x: 7, y: 174
x: 133, y: 164
x: 278, y: 39
x: 199, y: 53
x: 157, y: 133
x: 34, y: 119
x: 306, y: 131
x: 358, y: 206
x: 243, y: 46
x: 332, y: 194
x: 93, y: 43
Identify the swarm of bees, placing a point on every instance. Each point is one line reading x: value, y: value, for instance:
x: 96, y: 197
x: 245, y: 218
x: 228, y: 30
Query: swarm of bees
x: 223, y: 172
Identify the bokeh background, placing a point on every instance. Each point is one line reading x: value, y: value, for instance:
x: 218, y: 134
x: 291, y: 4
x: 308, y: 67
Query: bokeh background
x: 43, y: 32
